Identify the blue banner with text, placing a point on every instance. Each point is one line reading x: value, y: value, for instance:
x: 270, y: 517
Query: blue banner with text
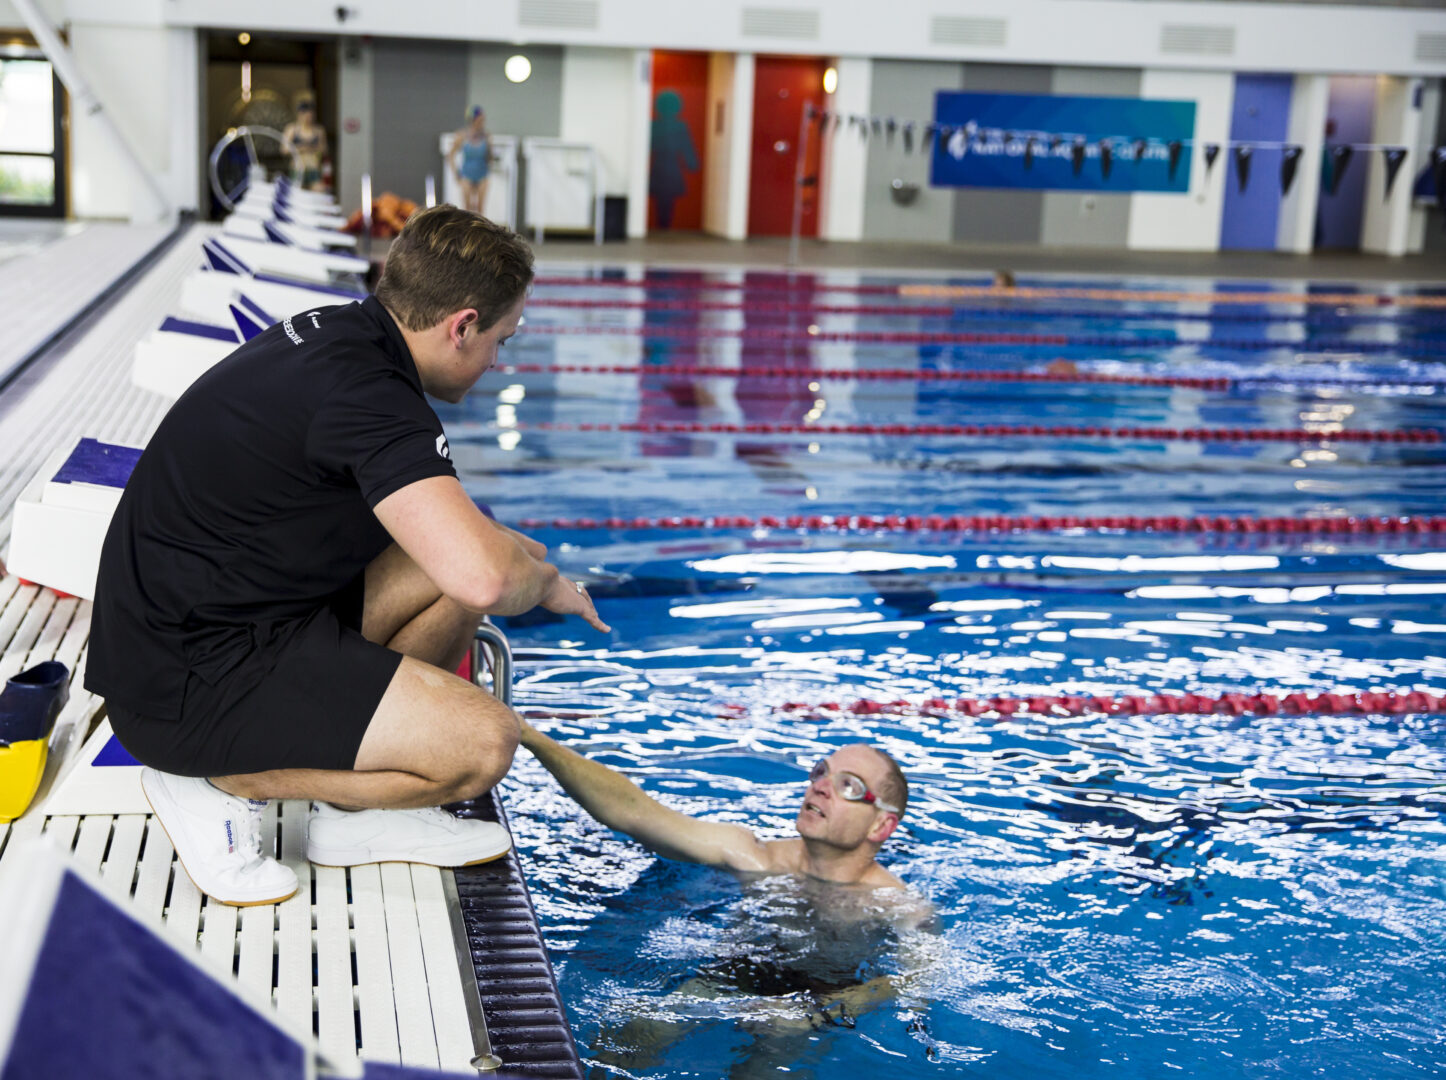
x: 1061, y: 142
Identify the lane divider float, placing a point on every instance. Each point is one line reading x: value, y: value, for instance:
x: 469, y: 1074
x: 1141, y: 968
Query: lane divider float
x: 1003, y: 292
x: 1074, y: 431
x: 814, y: 334
x: 1297, y: 703
x: 1347, y: 525
x: 869, y: 374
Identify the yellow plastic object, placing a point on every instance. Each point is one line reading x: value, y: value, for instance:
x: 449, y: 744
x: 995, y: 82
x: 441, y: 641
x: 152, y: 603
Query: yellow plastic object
x: 21, y: 766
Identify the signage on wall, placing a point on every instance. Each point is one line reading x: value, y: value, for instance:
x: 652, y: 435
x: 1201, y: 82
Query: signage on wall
x: 1062, y: 142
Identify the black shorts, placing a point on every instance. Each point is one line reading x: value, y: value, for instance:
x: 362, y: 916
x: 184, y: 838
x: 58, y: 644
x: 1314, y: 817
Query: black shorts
x: 304, y: 703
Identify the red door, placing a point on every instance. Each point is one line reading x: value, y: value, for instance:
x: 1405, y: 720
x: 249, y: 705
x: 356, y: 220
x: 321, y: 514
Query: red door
x: 679, y: 140
x: 782, y: 86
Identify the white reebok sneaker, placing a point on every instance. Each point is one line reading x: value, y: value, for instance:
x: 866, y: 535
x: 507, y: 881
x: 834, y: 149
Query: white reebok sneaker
x: 217, y: 837
x: 431, y: 835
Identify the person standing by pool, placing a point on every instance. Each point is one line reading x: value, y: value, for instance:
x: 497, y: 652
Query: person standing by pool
x: 471, y: 160
x: 294, y: 571
x: 306, y: 139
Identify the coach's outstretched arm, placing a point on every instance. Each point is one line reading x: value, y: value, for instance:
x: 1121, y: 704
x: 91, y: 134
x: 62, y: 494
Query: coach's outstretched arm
x: 476, y: 563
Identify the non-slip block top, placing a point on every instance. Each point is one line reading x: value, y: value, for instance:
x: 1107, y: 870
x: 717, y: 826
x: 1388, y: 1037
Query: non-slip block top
x: 95, y: 462
x: 525, y: 1018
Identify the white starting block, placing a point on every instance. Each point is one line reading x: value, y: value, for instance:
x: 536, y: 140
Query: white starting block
x: 91, y: 990
x: 282, y: 188
x: 250, y: 228
x: 208, y: 293
x: 62, y: 515
x: 288, y: 260
x: 180, y: 351
x: 265, y: 211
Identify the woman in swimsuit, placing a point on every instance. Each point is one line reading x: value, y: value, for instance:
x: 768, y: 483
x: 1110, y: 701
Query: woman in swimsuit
x: 306, y: 139
x: 471, y: 156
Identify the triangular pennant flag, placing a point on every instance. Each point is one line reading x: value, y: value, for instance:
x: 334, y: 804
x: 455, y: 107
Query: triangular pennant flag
x: 1054, y: 141
x: 1174, y: 146
x: 1107, y: 158
x: 1440, y: 174
x: 909, y: 137
x: 1340, y: 159
x: 1289, y: 161
x: 890, y: 127
x: 823, y: 119
x: 1212, y: 151
x: 1029, y: 152
x: 1395, y: 158
x: 1242, y: 166
x: 838, y: 120
x: 877, y: 125
x: 1077, y: 155
x: 1139, y: 150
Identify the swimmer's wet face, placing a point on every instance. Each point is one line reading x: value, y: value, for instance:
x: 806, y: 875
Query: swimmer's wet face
x: 850, y: 787
x: 837, y: 808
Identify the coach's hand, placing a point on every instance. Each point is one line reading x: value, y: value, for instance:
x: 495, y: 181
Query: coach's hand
x: 570, y: 598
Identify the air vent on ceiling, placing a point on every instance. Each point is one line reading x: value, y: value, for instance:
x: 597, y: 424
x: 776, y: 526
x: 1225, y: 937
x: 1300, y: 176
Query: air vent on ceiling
x: 799, y: 24
x: 558, y: 14
x: 966, y: 30
x: 1183, y: 40
x: 1431, y: 47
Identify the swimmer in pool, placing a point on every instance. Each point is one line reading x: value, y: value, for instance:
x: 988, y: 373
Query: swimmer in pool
x: 853, y: 803
x: 851, y: 806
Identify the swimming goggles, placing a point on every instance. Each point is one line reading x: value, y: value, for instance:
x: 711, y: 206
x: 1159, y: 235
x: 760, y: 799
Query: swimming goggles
x: 850, y: 788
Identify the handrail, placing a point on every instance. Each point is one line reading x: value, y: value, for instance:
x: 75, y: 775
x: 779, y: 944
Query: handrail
x: 491, y: 650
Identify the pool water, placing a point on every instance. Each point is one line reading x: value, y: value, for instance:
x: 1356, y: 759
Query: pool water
x: 1123, y: 896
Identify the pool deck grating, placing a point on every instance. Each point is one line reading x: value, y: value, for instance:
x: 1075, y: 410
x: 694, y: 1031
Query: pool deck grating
x: 367, y: 957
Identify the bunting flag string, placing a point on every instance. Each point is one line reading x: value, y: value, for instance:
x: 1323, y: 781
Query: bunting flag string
x: 1395, y: 158
x: 1340, y: 159
x: 1242, y: 165
x: 957, y: 140
x: 1289, y: 162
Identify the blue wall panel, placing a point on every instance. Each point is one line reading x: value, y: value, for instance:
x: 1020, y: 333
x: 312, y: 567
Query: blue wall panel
x: 1261, y: 112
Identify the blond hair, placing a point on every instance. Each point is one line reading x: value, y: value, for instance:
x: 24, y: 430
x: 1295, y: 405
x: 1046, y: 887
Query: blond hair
x: 445, y: 260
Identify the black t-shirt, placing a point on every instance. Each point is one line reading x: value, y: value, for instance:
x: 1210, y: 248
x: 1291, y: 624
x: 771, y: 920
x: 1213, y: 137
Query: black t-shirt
x: 252, y: 504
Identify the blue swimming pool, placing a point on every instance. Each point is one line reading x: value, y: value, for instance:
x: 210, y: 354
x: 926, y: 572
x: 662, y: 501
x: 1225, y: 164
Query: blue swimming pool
x: 1115, y: 895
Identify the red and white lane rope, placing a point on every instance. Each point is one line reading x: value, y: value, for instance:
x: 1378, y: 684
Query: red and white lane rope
x: 1073, y: 431
x: 1297, y: 703
x: 867, y: 374
x: 816, y: 335
x: 950, y: 311
x: 1017, y: 292
x: 1350, y: 525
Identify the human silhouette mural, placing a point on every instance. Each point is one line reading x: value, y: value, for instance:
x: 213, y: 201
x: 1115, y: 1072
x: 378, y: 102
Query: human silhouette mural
x: 674, y: 155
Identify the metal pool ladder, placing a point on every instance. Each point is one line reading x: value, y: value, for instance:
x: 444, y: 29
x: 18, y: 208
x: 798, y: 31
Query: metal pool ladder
x: 500, y: 952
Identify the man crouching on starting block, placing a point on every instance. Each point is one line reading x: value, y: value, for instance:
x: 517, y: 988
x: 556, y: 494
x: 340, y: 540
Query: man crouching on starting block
x: 294, y: 571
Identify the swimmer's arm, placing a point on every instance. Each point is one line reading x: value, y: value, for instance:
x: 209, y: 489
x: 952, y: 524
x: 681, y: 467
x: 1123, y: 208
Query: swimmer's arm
x: 620, y: 804
x: 476, y: 564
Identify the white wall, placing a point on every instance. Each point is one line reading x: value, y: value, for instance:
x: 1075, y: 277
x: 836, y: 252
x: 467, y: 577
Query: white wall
x: 129, y: 70
x: 845, y: 158
x: 354, y: 103
x: 1309, y: 99
x: 1386, y: 227
x: 1111, y: 33
x: 1420, y: 156
x: 730, y: 139
x: 596, y: 88
x: 1189, y: 222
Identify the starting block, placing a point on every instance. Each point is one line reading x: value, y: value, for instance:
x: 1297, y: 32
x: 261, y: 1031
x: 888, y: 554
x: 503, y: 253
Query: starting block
x: 102, y: 779
x: 62, y: 515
